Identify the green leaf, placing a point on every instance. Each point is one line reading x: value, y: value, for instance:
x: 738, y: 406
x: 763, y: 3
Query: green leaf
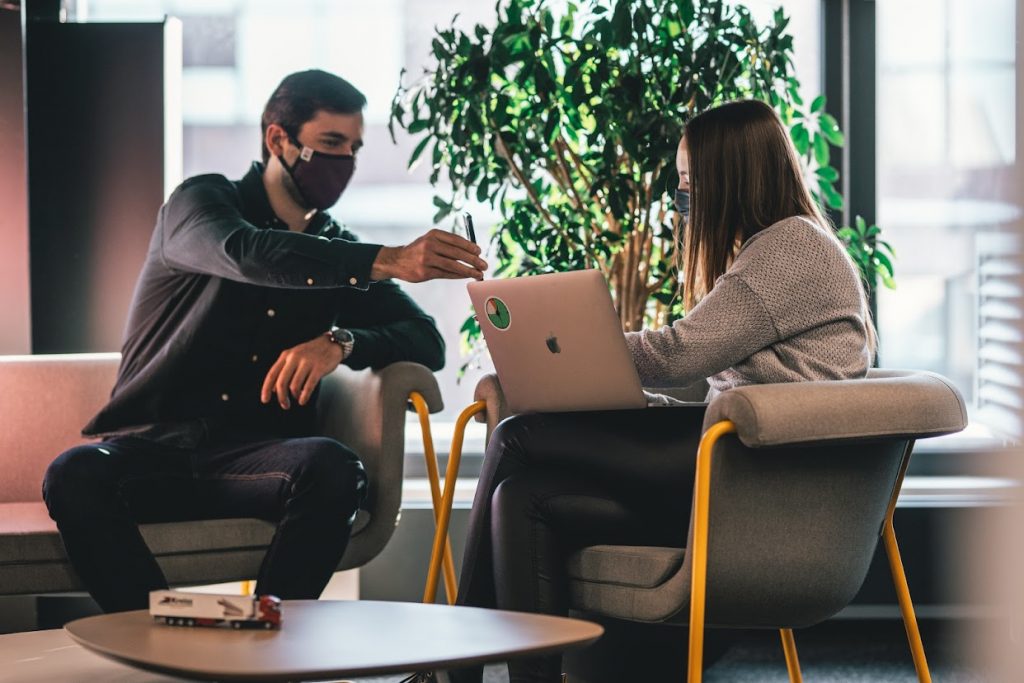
x: 833, y: 199
x: 830, y: 129
x: 828, y: 173
x: 687, y: 11
x: 419, y: 150
x: 444, y: 210
x: 884, y: 261
x: 622, y: 21
x: 821, y: 150
x: 470, y: 325
x: 418, y: 126
x: 801, y: 138
x: 818, y: 104
x: 566, y: 25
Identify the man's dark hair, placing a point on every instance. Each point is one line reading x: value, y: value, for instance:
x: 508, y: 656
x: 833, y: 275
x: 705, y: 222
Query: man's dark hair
x: 301, y: 95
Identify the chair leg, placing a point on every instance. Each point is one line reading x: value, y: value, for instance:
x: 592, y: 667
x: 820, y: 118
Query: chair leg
x: 899, y: 579
x: 433, y: 478
x: 699, y: 554
x: 792, y: 662
x: 447, y: 499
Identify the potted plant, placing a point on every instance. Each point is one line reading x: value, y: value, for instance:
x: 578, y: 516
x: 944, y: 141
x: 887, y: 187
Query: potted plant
x: 567, y: 119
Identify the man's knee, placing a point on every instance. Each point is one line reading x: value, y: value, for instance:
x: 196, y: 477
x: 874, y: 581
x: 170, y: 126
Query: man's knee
x: 332, y: 471
x: 75, y: 479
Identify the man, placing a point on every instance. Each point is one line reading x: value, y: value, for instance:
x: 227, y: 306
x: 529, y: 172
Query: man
x: 250, y: 294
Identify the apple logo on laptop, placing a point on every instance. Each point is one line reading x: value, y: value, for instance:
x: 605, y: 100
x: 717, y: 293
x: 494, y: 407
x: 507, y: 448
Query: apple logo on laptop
x: 552, y: 342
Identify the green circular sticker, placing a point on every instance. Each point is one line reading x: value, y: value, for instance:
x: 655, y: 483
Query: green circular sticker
x: 497, y: 313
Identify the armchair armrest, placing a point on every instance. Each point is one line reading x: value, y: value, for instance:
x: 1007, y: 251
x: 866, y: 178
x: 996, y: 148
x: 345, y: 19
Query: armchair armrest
x: 488, y: 389
x: 886, y: 404
x: 366, y: 411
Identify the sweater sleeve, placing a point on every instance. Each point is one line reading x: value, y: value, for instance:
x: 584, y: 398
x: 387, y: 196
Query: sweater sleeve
x: 729, y: 325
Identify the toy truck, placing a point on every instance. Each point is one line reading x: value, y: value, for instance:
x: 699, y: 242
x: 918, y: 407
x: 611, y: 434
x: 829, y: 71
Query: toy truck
x: 178, y: 608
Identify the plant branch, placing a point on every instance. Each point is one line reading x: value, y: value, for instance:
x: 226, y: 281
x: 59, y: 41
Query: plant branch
x: 503, y: 152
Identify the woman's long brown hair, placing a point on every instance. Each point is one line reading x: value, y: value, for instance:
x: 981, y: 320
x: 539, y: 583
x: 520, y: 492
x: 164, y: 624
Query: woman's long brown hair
x: 745, y: 176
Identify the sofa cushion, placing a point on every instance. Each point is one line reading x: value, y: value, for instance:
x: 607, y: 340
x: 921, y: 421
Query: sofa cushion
x: 638, y: 583
x: 28, y: 535
x: 625, y: 565
x: 66, y: 391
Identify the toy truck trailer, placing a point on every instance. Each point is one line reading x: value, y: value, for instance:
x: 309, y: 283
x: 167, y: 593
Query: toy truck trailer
x: 178, y: 608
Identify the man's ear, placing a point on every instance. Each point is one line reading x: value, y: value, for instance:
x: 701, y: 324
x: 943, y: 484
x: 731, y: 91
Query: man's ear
x: 274, y: 139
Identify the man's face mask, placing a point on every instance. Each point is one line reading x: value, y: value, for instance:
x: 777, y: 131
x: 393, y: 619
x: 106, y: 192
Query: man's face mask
x: 682, y: 202
x: 320, y: 178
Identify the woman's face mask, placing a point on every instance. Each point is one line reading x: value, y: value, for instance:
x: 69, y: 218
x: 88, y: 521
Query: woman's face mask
x: 682, y: 202
x: 320, y: 178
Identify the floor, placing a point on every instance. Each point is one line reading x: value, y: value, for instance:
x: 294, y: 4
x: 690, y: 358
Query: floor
x: 849, y: 652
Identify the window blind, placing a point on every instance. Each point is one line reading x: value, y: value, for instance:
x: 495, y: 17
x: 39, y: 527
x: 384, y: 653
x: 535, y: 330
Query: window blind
x: 1000, y: 364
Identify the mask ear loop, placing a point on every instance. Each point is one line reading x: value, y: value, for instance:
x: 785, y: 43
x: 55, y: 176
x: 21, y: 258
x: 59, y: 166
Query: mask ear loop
x: 305, y: 154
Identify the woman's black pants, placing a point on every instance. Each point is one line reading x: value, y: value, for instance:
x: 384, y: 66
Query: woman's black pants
x: 553, y: 483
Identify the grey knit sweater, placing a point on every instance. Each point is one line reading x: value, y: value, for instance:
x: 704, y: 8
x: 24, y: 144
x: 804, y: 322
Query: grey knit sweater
x: 790, y: 308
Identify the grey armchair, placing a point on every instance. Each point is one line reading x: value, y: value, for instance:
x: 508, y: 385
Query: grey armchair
x: 795, y: 485
x: 45, y: 401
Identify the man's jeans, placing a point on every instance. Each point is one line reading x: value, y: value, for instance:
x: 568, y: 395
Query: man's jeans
x: 98, y: 493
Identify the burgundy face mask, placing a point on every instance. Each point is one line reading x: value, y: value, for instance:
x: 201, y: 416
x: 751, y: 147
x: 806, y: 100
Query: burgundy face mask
x: 320, y: 178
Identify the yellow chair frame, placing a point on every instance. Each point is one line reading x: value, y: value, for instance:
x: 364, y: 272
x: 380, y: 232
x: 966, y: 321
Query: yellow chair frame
x: 698, y: 585
x: 441, y: 549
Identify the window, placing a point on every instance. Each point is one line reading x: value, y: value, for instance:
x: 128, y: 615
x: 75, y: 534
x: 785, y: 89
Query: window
x: 946, y: 148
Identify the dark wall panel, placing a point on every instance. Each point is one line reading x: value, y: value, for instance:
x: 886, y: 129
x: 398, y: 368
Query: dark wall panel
x: 15, y: 333
x: 96, y: 175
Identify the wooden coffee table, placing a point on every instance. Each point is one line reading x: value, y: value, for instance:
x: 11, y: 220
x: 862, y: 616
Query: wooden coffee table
x: 49, y: 656
x: 332, y: 639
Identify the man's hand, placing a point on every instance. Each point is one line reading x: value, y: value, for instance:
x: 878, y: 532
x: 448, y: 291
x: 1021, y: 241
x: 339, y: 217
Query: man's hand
x: 299, y: 369
x: 438, y: 254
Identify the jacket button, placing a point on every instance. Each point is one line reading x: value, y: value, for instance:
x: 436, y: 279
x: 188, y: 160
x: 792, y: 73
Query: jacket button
x: 271, y: 312
x: 309, y: 281
x: 255, y: 358
x: 225, y: 397
x: 353, y: 281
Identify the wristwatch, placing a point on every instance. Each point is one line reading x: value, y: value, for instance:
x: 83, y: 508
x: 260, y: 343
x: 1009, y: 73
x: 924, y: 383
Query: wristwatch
x: 342, y: 338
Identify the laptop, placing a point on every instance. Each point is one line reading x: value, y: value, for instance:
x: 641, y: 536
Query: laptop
x: 557, y: 343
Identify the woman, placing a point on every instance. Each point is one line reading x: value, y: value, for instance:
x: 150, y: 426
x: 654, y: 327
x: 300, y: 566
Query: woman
x: 772, y: 297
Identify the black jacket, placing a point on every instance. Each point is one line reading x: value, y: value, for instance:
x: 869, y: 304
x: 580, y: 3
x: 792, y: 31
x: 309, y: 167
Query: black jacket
x: 224, y: 289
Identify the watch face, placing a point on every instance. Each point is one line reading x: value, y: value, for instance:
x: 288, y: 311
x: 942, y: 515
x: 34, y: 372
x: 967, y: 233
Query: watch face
x: 344, y: 336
